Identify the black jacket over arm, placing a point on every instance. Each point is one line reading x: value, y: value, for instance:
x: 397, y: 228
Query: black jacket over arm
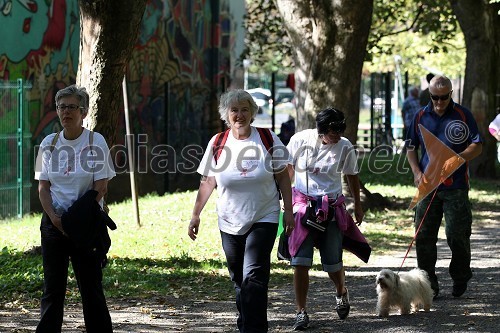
x: 86, y: 224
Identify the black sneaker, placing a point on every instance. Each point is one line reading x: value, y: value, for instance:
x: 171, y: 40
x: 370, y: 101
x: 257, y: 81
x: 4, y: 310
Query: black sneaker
x: 343, y: 305
x: 301, y: 321
x: 459, y: 289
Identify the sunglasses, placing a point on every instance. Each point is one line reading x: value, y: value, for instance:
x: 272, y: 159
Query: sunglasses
x: 331, y: 135
x: 336, y: 127
x: 440, y: 97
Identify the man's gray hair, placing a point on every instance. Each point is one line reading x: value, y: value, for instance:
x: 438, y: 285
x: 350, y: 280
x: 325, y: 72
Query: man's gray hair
x: 441, y: 81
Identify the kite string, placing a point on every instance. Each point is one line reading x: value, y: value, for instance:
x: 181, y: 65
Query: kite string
x: 418, y: 229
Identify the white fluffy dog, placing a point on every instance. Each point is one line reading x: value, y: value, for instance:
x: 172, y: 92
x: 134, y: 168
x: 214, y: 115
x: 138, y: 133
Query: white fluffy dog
x: 407, y: 291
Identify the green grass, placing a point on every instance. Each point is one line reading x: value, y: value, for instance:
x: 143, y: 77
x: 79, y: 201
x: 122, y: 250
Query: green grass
x: 381, y: 168
x: 158, y: 259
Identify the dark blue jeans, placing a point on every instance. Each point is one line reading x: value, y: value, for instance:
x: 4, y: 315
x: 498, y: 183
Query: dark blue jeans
x: 249, y: 263
x: 57, y: 251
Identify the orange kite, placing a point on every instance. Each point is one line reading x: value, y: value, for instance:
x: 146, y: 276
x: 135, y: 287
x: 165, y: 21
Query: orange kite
x: 443, y: 162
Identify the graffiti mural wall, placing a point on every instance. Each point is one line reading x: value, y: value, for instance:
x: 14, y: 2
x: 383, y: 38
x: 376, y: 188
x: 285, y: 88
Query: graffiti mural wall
x: 40, y: 41
x: 179, y: 66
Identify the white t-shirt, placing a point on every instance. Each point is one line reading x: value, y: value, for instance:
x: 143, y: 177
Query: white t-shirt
x: 324, y: 163
x: 245, y: 182
x: 72, y: 167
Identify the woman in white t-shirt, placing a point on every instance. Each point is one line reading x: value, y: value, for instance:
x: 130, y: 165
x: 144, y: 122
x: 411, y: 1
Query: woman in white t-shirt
x: 247, y: 179
x: 320, y: 157
x: 67, y: 167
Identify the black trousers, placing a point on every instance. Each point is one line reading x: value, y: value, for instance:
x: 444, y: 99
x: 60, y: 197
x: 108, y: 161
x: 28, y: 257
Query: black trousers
x: 57, y: 251
x: 249, y: 263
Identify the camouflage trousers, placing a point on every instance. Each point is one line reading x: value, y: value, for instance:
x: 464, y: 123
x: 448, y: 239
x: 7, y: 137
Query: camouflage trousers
x: 455, y: 206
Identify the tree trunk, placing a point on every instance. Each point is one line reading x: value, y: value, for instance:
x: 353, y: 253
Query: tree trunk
x: 329, y: 40
x: 480, y: 24
x: 369, y: 201
x: 108, y: 33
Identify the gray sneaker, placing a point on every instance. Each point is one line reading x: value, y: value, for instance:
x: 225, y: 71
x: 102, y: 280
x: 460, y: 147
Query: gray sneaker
x: 343, y: 305
x: 301, y: 321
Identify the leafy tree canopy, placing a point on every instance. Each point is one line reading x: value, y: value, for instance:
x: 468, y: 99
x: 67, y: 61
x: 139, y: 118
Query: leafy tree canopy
x: 424, y: 17
x: 424, y: 33
x: 267, y: 43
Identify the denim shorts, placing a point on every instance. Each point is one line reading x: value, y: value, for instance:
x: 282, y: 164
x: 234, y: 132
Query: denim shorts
x: 329, y: 243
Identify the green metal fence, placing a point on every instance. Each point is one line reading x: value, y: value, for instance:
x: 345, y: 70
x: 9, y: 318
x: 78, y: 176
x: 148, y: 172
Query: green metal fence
x: 15, y: 147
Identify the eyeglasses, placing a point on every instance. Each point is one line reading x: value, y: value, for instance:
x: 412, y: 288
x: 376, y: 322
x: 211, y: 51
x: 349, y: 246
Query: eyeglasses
x: 70, y: 107
x: 441, y: 97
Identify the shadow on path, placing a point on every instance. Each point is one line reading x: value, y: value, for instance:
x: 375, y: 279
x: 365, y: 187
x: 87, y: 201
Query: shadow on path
x: 477, y: 310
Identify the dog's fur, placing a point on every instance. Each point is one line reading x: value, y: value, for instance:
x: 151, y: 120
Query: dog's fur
x: 406, y: 291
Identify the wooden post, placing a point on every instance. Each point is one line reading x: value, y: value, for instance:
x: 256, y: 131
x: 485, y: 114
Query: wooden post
x: 130, y: 150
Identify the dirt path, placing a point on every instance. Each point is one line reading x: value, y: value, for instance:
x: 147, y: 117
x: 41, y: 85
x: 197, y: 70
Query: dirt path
x: 478, y: 310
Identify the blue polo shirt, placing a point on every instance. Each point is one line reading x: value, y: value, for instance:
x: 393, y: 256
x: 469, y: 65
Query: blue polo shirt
x: 456, y: 128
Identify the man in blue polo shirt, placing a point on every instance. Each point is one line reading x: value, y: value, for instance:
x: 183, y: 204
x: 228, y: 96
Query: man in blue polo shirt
x: 454, y: 126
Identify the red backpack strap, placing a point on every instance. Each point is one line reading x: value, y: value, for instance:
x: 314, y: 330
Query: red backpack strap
x: 267, y: 138
x: 420, y: 113
x: 218, y: 145
x: 460, y: 112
